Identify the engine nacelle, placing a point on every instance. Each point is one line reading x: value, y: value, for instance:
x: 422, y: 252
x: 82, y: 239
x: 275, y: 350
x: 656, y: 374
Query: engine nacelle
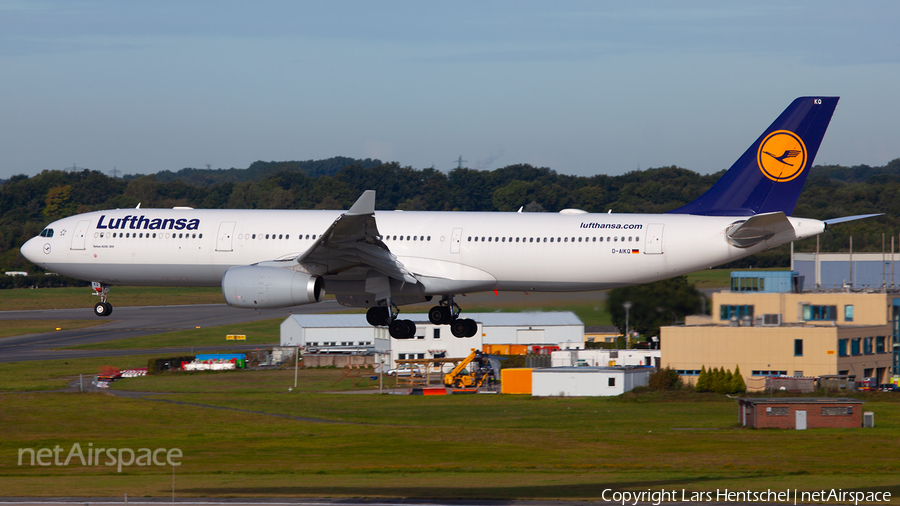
x: 253, y: 286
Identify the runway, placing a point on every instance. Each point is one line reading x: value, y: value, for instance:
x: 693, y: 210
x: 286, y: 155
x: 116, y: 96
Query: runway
x: 127, y: 322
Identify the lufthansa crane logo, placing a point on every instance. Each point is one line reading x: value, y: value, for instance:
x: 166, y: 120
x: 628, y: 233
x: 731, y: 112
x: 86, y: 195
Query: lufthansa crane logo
x: 781, y: 156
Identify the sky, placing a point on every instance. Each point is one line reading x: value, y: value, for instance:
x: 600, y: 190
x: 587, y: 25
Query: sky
x: 583, y: 88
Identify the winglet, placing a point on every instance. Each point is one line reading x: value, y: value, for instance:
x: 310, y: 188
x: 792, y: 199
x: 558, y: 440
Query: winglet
x: 364, y: 205
x: 835, y: 221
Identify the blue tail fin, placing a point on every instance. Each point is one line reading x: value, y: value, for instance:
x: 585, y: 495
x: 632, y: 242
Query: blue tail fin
x: 770, y: 174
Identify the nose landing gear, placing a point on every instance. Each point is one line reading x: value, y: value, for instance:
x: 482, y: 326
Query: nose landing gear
x: 102, y: 308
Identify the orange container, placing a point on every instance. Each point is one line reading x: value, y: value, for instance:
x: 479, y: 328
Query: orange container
x: 518, y: 349
x: 515, y: 381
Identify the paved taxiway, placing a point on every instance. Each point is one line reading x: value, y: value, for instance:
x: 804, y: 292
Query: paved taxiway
x: 127, y: 322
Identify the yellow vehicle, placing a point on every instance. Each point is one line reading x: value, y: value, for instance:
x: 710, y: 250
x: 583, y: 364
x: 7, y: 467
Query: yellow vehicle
x: 459, y: 377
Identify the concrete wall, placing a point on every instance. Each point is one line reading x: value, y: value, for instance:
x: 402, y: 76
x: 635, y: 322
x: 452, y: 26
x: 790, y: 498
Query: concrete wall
x: 332, y: 360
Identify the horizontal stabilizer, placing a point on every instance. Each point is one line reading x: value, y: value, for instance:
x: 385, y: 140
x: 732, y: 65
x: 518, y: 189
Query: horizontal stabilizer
x: 835, y: 221
x: 758, y: 228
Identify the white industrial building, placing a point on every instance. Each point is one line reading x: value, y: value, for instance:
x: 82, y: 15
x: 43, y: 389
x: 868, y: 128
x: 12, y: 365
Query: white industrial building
x: 330, y: 333
x: 352, y: 334
x: 587, y: 381
x: 562, y: 328
x: 603, y: 358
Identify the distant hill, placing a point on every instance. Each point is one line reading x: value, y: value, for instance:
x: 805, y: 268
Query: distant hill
x: 860, y: 173
x: 260, y: 170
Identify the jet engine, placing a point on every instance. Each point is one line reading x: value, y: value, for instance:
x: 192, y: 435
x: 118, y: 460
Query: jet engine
x: 253, y: 286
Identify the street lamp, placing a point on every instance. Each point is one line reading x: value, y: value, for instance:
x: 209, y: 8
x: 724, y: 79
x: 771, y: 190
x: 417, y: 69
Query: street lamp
x: 627, y: 306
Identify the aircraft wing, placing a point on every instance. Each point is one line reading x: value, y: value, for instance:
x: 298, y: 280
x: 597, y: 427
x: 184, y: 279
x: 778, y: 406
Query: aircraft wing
x: 353, y: 241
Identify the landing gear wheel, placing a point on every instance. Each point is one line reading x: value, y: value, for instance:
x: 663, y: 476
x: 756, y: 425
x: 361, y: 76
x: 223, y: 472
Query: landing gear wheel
x: 102, y: 309
x: 439, y: 315
x: 459, y: 328
x: 471, y: 327
x: 377, y: 316
x: 402, y: 329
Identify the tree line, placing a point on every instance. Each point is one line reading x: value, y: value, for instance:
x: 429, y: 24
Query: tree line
x: 27, y: 204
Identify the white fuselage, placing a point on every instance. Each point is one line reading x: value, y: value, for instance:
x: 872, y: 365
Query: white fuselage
x: 477, y: 250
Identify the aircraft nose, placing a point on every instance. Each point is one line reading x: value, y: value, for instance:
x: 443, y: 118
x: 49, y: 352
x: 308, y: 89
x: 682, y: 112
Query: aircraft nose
x: 35, y: 249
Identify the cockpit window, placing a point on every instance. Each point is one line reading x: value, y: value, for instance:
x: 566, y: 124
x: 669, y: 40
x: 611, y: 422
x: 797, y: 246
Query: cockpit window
x: 47, y: 232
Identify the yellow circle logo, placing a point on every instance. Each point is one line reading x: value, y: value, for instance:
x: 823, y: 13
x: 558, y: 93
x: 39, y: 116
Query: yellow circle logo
x: 781, y: 156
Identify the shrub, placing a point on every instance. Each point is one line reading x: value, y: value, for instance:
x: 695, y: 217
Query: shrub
x: 665, y: 379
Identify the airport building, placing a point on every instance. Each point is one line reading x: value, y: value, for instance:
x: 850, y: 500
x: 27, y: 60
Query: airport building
x: 768, y: 326
x: 351, y: 334
x: 838, y: 271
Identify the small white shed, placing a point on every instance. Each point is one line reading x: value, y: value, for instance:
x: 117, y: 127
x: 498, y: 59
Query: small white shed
x: 587, y: 381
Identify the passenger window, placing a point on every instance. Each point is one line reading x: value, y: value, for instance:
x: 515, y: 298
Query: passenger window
x: 504, y: 239
x: 279, y: 236
x: 567, y: 239
x: 201, y: 236
x: 615, y: 239
x: 429, y: 237
x: 517, y: 239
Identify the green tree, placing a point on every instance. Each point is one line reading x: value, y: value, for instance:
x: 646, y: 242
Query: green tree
x: 737, y: 381
x: 653, y: 304
x: 702, y: 380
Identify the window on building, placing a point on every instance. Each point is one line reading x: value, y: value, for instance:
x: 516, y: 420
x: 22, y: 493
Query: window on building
x: 880, y: 344
x: 687, y: 372
x: 819, y: 313
x: 798, y: 374
x: 842, y: 347
x: 854, y: 346
x: 740, y: 311
x: 612, y: 382
x: 420, y: 355
x: 768, y: 373
x: 798, y: 347
x: 848, y: 313
x: 742, y: 284
x: 437, y: 334
x: 867, y: 345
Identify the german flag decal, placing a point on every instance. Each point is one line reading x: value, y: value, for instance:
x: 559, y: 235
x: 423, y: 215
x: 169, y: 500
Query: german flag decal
x: 634, y: 252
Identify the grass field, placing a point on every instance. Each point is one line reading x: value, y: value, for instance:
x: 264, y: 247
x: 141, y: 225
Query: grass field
x: 259, y: 332
x: 397, y: 446
x: 120, y: 296
x: 19, y: 327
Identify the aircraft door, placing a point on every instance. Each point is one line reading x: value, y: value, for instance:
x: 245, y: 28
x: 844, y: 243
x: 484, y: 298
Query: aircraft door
x: 80, y: 233
x: 455, y: 240
x: 225, y: 238
x: 654, y: 244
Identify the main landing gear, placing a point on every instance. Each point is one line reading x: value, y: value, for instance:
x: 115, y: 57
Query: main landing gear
x: 387, y: 316
x: 101, y: 308
x: 446, y: 313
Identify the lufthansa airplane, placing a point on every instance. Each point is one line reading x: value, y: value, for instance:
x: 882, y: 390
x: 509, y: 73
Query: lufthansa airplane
x: 384, y: 259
